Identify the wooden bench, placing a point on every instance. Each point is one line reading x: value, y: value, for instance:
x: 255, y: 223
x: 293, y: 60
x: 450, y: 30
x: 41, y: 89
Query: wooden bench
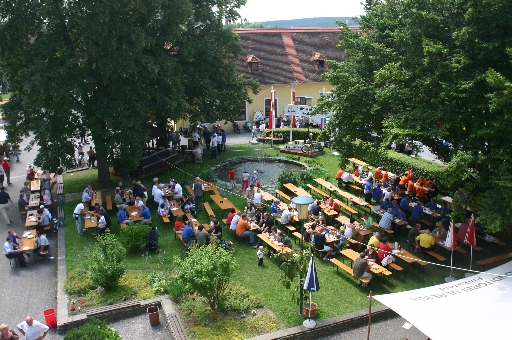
x: 176, y: 327
x: 436, y: 255
x: 426, y: 222
x: 318, y: 191
x: 108, y: 199
x: 165, y: 219
x: 180, y: 236
x: 44, y: 253
x: 500, y: 243
x: 290, y: 229
x: 355, y: 187
x: 490, y: 260
x: 105, y: 310
x: 346, y: 207
x: 225, y: 221
x: 280, y: 194
x: 189, y: 189
x: 349, y: 270
x: 297, y: 235
x: 208, y: 209
x: 396, y: 267
x: 387, y: 231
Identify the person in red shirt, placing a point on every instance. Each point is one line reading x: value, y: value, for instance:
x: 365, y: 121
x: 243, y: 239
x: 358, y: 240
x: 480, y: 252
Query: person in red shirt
x: 334, y: 205
x: 231, y: 214
x: 7, y: 169
x: 384, y: 248
x: 179, y: 225
x: 232, y: 174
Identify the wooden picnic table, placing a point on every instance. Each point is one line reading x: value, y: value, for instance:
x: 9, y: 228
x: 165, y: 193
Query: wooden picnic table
x: 35, y: 185
x: 90, y: 222
x: 32, y: 219
x: 176, y: 209
x: 327, y: 185
x: 134, y: 213
x: 296, y: 190
x: 327, y: 210
x: 34, y: 201
x: 222, y: 203
x: 357, y: 161
x: 270, y: 243
x: 96, y: 198
x: 268, y: 197
x: 375, y: 268
x: 27, y: 243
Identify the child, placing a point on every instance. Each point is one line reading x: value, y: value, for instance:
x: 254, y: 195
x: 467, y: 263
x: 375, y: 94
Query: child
x: 260, y: 254
x: 254, y: 177
x: 232, y: 174
x: 245, y: 180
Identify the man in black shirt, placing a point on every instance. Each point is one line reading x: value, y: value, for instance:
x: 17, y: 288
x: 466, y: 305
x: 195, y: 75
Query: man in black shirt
x: 265, y: 227
x: 5, y: 199
x: 359, y: 268
x: 320, y: 243
x: 138, y: 191
x: 315, y: 210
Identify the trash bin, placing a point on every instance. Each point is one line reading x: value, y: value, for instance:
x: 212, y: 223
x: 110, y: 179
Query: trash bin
x: 51, y: 320
x: 154, y: 316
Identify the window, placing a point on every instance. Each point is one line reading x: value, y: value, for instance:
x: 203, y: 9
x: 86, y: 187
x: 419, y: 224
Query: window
x: 242, y: 115
x: 303, y: 100
x: 267, y: 107
x: 254, y: 67
x: 319, y: 60
x: 320, y: 64
x: 253, y: 63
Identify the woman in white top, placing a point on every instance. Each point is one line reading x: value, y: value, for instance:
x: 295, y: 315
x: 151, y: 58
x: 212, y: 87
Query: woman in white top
x: 258, y: 196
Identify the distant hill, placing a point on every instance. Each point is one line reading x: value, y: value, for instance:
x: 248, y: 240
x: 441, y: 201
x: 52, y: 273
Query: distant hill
x: 309, y: 22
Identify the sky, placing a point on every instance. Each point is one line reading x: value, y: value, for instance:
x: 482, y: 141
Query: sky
x: 268, y: 10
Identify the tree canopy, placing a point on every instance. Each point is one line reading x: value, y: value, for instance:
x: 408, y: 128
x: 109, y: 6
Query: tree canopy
x: 430, y: 69
x: 116, y: 68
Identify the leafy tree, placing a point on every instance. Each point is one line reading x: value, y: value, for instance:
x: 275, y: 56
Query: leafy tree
x: 429, y: 69
x: 105, y: 262
x: 116, y: 68
x: 207, y: 272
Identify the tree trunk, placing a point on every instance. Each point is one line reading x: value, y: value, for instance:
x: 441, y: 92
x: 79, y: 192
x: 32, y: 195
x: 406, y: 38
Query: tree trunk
x: 103, y: 172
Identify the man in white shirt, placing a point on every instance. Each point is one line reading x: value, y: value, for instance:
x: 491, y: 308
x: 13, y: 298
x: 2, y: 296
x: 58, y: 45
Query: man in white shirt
x: 178, y: 191
x: 79, y: 210
x: 86, y: 196
x: 157, y: 194
x: 213, y: 153
x: 346, y: 178
x: 43, y: 243
x: 165, y: 202
x: 286, y: 216
x: 234, y: 221
x: 33, y: 329
x: 262, y: 127
x: 349, y: 230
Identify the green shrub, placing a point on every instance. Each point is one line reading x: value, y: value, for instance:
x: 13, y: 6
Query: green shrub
x: 207, y: 272
x: 241, y: 299
x: 77, y: 282
x: 177, y: 289
x: 135, y: 236
x: 106, y: 262
x: 297, y: 134
x: 302, y: 177
x: 93, y: 330
x: 287, y: 176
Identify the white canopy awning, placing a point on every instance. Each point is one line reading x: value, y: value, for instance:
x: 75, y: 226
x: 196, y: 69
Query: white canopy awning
x: 477, y: 307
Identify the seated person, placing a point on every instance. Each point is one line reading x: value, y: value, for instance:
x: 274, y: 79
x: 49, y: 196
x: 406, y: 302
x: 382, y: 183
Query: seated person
x: 102, y: 223
x: 162, y: 211
x: 422, y: 180
x: 400, y: 191
x: 321, y: 221
x: 231, y: 214
x: 202, y: 237
x: 426, y: 241
x: 463, y: 229
x: 321, y: 244
x: 118, y: 199
x: 258, y: 197
x: 267, y: 222
x: 377, y: 173
x: 384, y: 249
x: 138, y: 203
x: 367, y: 221
x: 394, y: 207
x: 315, y: 209
x: 404, y: 204
x: 216, y: 230
x: 249, y: 210
x: 249, y: 193
x: 122, y: 217
x: 375, y: 240
x: 439, y: 231
x: 432, y: 205
x: 340, y: 234
x: 359, y: 269
x: 386, y: 219
x: 188, y: 236
x: 179, y: 225
x: 274, y: 207
x: 258, y: 217
x: 145, y: 214
x: 417, y: 211
x: 346, y: 178
x: 377, y: 193
x: 388, y: 194
x: 234, y: 221
x: 421, y: 191
x: 44, y: 221
x: 401, y: 215
x: 14, y: 237
x: 285, y: 240
x: 22, y: 203
x: 158, y: 194
x: 371, y: 254
x: 243, y: 229
x: 445, y: 213
x: 177, y: 192
x: 334, y: 205
x: 286, y: 215
x: 47, y: 201
x: 411, y: 237
x: 411, y: 188
x: 386, y: 204
x: 188, y: 206
x: 11, y: 253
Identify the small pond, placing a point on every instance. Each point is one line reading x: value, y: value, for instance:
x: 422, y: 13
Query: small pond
x: 268, y: 170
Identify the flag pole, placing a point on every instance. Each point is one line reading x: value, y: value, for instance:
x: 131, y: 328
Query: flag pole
x: 468, y: 274
x: 369, y: 316
x: 450, y: 278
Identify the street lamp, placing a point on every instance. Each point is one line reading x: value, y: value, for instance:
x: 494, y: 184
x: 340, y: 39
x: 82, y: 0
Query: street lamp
x: 302, y: 203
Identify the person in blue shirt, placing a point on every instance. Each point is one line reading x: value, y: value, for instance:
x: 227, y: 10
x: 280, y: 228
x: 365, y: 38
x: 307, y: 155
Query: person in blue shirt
x: 274, y: 207
x: 386, y: 205
x: 385, y: 184
x: 394, y: 207
x: 404, y: 204
x: 445, y: 213
x: 368, y: 188
x: 145, y: 214
x: 121, y: 215
x: 393, y: 188
x: 417, y: 211
x: 432, y: 205
x: 188, y: 236
x: 400, y: 214
x: 377, y: 193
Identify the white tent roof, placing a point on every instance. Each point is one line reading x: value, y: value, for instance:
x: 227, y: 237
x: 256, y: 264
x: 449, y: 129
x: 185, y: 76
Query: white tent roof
x: 477, y: 307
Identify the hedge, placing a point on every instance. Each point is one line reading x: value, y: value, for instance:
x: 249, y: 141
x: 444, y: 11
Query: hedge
x: 301, y: 134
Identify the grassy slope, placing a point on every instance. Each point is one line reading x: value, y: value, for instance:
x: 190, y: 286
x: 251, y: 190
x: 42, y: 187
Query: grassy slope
x: 338, y: 294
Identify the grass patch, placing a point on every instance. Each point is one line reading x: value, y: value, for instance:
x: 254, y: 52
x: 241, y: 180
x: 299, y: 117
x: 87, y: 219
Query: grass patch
x: 77, y: 181
x: 339, y: 293
x: 5, y: 96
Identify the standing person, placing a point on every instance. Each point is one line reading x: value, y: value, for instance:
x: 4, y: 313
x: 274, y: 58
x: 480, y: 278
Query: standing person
x: 260, y: 254
x: 80, y: 150
x: 198, y: 189
x: 254, y: 129
x: 219, y: 142
x: 92, y: 157
x: 7, y: 169
x: 224, y: 138
x: 2, y: 175
x: 16, y: 151
x: 82, y: 135
x: 8, y: 334
x: 245, y: 180
x: 232, y: 175
x: 79, y: 210
x: 207, y: 136
x: 213, y: 153
x: 5, y: 199
x: 195, y: 139
x: 254, y: 177
x: 368, y: 189
x: 33, y: 329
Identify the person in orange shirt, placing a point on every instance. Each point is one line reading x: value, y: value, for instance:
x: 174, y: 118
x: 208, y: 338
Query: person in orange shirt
x: 421, y: 180
x: 356, y: 171
x: 404, y: 180
x: 339, y: 174
x: 411, y: 188
x: 334, y: 205
x: 243, y: 229
x: 409, y: 173
x: 420, y: 191
x: 385, y: 175
x: 377, y: 174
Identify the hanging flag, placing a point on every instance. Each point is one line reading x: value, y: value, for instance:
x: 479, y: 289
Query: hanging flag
x: 311, y: 283
x: 271, y: 115
x: 292, y: 122
x: 451, y: 238
x: 470, y: 237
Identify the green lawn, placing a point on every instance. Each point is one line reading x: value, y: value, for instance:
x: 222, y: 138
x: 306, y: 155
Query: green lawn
x: 339, y: 293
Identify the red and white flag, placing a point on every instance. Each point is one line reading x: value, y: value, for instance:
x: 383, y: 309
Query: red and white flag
x: 451, y: 238
x: 470, y: 237
x: 271, y: 120
x: 292, y: 122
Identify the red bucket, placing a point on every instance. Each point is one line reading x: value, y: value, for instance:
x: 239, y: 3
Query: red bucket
x: 51, y: 320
